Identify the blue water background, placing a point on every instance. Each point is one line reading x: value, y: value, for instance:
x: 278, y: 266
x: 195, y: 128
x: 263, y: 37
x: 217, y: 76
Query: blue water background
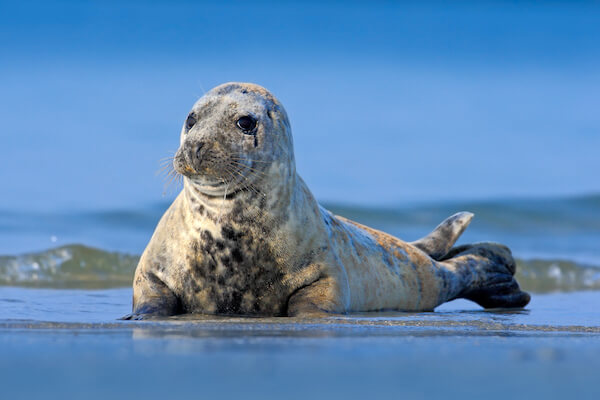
x: 389, y: 101
x: 559, y: 228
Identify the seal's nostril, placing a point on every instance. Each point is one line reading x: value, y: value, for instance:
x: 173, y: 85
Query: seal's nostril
x: 198, y: 148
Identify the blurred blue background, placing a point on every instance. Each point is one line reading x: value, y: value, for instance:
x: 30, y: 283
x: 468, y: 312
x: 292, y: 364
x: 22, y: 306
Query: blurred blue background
x: 389, y: 102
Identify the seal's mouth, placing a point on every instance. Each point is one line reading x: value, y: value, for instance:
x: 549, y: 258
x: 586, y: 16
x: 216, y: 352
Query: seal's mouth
x: 221, y: 187
x: 220, y: 179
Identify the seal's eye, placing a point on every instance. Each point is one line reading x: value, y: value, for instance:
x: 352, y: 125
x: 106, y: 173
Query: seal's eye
x: 190, y: 121
x: 246, y: 124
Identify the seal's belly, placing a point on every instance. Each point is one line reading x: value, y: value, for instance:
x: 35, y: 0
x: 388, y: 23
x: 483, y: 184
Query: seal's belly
x: 232, y: 274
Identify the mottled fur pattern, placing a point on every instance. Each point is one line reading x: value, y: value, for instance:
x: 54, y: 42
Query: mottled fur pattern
x: 246, y: 237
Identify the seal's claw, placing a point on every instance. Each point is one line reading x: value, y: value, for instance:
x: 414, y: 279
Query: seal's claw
x: 132, y: 317
x: 495, y: 299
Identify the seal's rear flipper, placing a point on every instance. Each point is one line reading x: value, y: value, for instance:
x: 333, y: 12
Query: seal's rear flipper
x: 440, y: 241
x: 488, y: 272
x: 501, y: 296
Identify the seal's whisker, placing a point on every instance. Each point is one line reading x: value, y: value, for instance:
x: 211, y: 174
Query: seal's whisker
x: 222, y: 202
x: 233, y: 168
x: 230, y: 172
x: 166, y: 166
x: 165, y: 170
x: 168, y: 158
x: 166, y: 161
x: 172, y: 185
x: 253, y: 174
x: 253, y: 187
x: 167, y: 175
x: 245, y: 177
x: 246, y: 181
x: 249, y: 159
x: 246, y: 184
x: 249, y: 168
x: 178, y: 181
x: 172, y: 178
x: 202, y: 88
x: 243, y: 156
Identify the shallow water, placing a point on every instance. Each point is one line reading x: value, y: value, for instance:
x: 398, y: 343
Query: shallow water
x: 68, y: 343
x: 126, y: 363
x: 576, y: 311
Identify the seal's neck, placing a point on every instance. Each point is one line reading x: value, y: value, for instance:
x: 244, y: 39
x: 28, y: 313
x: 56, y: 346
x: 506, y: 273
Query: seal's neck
x: 267, y: 199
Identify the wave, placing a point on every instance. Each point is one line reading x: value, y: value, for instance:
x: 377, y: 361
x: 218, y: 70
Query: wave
x: 545, y: 276
x: 547, y: 228
x: 72, y: 266
x: 549, y: 215
x: 79, y: 266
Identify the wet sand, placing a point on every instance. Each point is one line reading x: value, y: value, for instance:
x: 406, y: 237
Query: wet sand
x: 550, y: 350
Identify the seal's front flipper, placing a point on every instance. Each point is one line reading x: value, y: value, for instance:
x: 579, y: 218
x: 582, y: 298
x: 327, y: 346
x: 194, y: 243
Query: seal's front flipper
x: 320, y: 299
x: 145, y: 314
x: 132, y: 317
x: 440, y: 241
x: 487, y: 270
x: 152, y: 297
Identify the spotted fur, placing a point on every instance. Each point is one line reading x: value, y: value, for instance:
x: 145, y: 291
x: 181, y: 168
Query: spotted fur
x: 246, y: 237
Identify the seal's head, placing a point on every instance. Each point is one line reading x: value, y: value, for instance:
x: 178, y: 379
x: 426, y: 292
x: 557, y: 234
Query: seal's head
x: 236, y: 135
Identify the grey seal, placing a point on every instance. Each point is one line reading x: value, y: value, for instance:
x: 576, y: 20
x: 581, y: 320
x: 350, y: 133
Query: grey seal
x: 246, y: 237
